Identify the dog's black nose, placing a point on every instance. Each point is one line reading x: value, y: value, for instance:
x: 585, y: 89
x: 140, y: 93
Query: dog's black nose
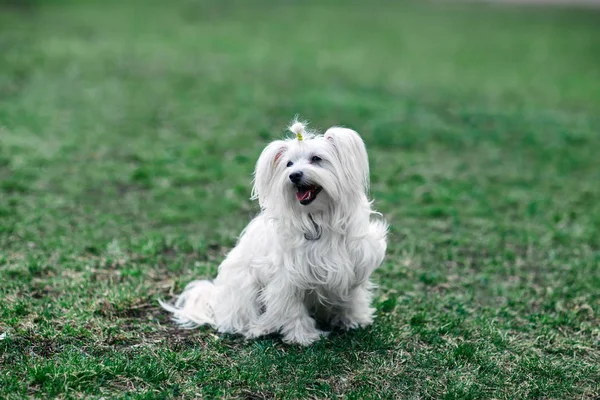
x: 296, y: 177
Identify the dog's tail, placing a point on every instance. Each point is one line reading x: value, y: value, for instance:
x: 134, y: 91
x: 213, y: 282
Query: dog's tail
x: 195, y: 306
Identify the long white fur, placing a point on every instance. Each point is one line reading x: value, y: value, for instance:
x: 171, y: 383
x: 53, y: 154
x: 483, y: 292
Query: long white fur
x: 294, y: 263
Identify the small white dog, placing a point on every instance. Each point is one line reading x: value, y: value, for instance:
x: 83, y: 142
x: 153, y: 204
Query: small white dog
x: 308, y: 255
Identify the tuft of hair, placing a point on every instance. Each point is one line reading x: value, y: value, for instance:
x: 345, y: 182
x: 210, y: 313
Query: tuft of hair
x: 298, y: 128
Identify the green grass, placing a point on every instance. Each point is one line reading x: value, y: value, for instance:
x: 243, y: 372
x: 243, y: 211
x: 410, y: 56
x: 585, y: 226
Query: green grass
x: 128, y: 134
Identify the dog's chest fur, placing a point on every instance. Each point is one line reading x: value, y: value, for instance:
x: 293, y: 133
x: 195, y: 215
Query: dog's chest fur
x: 324, y: 265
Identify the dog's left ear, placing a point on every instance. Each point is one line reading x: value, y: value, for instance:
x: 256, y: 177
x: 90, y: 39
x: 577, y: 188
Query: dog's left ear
x: 267, y: 164
x: 352, y: 155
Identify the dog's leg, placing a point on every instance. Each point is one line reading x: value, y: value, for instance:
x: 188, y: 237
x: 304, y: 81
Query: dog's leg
x: 357, y: 312
x: 285, y: 312
x: 367, y: 254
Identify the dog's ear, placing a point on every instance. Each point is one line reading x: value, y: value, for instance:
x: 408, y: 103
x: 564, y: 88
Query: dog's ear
x: 267, y: 164
x: 352, y: 155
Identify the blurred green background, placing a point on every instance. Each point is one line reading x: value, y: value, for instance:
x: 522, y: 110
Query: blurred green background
x: 128, y: 135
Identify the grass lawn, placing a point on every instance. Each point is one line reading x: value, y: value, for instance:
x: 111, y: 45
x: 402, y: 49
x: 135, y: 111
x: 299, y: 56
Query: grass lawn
x: 128, y: 135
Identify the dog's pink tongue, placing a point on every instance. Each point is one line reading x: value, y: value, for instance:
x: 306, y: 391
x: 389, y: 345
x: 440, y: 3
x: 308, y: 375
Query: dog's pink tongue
x: 302, y: 195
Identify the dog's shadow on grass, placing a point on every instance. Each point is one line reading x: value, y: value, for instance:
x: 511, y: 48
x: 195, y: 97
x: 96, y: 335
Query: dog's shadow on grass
x: 369, y: 339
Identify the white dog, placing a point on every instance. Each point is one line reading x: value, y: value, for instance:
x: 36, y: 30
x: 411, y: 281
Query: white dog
x: 308, y: 255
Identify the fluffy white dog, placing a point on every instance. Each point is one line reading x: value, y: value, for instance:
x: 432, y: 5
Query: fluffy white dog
x: 308, y: 255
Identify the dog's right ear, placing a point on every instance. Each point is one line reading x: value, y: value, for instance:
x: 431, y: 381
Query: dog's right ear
x: 352, y: 155
x: 266, y: 166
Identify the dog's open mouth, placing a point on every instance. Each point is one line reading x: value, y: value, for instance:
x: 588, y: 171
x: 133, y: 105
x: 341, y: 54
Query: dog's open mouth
x: 306, y: 194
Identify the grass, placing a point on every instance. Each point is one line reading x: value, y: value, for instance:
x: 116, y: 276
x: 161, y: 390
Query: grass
x: 128, y: 134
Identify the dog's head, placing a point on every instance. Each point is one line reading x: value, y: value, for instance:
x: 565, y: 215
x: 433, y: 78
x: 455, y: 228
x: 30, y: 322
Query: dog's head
x: 312, y: 172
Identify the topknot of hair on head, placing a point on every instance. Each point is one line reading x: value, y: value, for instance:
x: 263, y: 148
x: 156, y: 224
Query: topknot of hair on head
x: 298, y: 128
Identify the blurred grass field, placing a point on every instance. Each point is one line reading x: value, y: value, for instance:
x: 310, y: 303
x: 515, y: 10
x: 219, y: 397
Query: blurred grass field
x: 128, y: 135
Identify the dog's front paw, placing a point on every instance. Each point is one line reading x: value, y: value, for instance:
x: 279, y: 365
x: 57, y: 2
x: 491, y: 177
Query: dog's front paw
x: 256, y: 331
x: 348, y: 322
x: 304, y: 338
x: 303, y: 332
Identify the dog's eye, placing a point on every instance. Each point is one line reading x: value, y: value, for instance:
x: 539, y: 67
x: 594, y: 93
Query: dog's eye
x: 315, y: 159
x: 289, y: 164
